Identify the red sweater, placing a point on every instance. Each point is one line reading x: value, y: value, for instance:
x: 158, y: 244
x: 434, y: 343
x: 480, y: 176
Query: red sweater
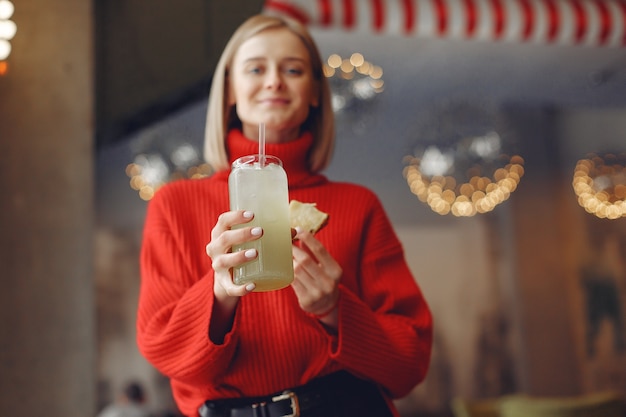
x: 385, y: 326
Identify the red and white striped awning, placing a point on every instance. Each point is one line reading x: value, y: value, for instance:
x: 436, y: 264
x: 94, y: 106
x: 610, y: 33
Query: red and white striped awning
x: 568, y: 22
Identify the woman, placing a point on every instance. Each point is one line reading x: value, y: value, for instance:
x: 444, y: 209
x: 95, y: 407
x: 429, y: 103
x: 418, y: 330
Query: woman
x: 351, y: 332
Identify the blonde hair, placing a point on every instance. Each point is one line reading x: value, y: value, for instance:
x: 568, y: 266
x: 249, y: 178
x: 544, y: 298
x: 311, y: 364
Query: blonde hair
x: 221, y: 117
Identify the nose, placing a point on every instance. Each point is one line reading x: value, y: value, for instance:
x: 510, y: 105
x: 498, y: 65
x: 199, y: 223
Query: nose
x: 273, y: 79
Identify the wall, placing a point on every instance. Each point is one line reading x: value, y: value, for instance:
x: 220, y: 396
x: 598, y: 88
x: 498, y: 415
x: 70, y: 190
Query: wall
x: 47, y: 334
x: 454, y: 266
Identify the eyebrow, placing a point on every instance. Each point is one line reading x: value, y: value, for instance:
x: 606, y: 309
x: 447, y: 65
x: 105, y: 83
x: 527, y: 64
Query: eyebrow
x: 260, y: 58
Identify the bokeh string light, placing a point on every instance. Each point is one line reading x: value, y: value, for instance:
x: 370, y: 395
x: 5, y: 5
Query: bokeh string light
x: 480, y: 194
x: 353, y: 81
x: 150, y: 171
x: 599, y: 182
x: 8, y: 28
x: 463, y: 164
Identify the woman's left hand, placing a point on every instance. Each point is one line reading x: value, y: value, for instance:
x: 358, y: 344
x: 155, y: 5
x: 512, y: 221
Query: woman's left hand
x: 316, y: 279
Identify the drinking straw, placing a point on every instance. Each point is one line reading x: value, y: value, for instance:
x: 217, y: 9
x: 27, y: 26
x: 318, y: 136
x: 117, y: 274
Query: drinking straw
x: 262, y: 144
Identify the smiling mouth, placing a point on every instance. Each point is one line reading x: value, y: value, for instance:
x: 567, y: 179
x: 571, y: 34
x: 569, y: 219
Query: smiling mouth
x: 275, y: 101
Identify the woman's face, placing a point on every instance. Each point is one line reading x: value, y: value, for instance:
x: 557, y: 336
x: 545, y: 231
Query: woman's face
x: 271, y: 81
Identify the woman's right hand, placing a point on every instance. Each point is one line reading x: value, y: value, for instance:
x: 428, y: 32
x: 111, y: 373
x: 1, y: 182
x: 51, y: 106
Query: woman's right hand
x: 223, y: 259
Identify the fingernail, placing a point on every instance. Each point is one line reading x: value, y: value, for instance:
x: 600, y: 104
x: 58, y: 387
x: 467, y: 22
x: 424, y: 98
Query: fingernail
x: 250, y: 287
x: 248, y: 214
x: 250, y: 253
x: 256, y: 231
x: 298, y: 229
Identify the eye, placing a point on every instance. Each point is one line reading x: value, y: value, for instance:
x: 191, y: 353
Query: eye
x: 253, y: 68
x: 294, y: 71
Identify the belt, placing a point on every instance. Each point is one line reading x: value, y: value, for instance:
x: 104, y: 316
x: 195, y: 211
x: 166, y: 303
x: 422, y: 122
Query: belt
x: 334, y: 394
x: 283, y: 405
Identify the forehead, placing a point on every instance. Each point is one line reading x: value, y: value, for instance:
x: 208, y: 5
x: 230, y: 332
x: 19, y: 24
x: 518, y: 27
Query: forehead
x: 274, y: 43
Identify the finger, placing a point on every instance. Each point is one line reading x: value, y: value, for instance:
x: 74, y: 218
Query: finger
x: 227, y: 220
x: 304, y: 264
x: 310, y: 277
x: 223, y: 265
x: 234, y: 290
x: 227, y: 239
x: 315, y: 295
x: 314, y: 245
x: 227, y: 261
x: 319, y: 252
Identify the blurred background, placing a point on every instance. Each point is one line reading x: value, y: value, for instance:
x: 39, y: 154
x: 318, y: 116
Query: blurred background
x: 494, y: 133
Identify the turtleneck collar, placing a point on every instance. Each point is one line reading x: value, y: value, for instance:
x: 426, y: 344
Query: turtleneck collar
x: 294, y: 156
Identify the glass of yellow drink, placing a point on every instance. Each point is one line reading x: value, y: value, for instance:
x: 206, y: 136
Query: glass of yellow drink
x: 258, y: 183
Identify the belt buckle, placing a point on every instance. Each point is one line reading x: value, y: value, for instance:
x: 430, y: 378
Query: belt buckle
x: 295, y: 407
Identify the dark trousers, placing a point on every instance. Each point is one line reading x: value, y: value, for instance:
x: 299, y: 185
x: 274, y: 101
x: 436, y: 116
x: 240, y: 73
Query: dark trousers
x: 336, y: 395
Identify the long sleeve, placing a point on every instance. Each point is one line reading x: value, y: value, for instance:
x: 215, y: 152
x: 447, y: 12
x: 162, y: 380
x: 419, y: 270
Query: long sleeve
x: 177, y: 289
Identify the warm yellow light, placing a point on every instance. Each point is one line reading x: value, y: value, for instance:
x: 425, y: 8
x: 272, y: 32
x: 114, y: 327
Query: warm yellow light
x: 346, y: 66
x: 6, y: 9
x: 136, y: 182
x: 146, y: 193
x: 141, y: 182
x: 133, y: 169
x: 5, y: 49
x: 377, y: 84
x: 357, y: 59
x: 7, y: 29
x: 351, y: 80
x: 364, y: 68
x: 328, y: 71
x: 334, y: 61
x: 600, y: 185
x: 376, y: 72
x: 478, y: 195
x: 448, y: 196
x: 347, y: 75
